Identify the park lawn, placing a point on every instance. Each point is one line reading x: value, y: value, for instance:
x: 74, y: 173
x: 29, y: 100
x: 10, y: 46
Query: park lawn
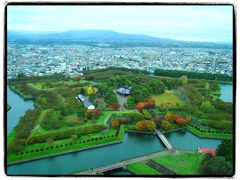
x: 167, y: 98
x: 37, y: 86
x: 207, y: 134
x: 182, y: 164
x: 72, y: 144
x: 141, y: 168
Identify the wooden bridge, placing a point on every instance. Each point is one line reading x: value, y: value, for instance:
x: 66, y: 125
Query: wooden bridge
x: 164, y: 140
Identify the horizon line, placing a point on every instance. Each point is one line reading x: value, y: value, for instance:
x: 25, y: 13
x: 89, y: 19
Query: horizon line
x: 178, y: 39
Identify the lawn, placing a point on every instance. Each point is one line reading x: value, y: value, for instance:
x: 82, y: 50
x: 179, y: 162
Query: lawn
x: 182, y: 164
x: 167, y: 98
x: 142, y: 169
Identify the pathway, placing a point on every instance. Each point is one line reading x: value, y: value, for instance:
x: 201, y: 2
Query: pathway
x: 164, y: 140
x: 106, y: 119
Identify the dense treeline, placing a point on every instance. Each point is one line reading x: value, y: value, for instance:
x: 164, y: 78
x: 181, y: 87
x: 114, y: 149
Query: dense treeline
x: 221, y: 163
x: 194, y: 75
x: 117, y: 69
x: 108, y: 94
x: 23, y: 130
x: 65, y: 133
x: 52, y: 120
x: 54, y: 77
x: 26, y: 89
x: 49, y: 100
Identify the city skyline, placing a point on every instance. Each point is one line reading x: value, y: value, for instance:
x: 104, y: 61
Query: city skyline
x: 189, y: 23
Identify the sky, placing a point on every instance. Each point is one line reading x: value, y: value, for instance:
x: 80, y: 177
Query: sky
x: 190, y: 23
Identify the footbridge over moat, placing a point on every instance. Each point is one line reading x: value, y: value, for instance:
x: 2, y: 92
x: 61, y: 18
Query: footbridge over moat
x: 164, y: 140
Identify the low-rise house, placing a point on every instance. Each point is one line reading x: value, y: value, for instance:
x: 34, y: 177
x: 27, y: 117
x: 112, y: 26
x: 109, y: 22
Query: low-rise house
x: 124, y: 91
x: 85, y: 102
x: 207, y: 151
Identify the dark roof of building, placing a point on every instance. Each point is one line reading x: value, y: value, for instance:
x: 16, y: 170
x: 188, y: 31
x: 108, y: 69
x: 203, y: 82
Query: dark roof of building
x: 122, y: 90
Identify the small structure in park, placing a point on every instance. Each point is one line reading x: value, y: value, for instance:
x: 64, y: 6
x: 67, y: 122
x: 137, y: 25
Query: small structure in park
x: 207, y: 151
x: 124, y: 91
x: 85, y: 102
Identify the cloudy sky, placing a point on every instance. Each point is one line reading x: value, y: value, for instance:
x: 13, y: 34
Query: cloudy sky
x: 194, y: 23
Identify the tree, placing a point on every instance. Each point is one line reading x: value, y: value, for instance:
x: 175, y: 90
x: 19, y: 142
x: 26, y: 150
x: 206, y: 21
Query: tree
x: 114, y: 106
x: 146, y: 114
x: 158, y: 122
x: 92, y: 113
x: 188, y: 118
x: 130, y: 102
x: 90, y: 90
x: 168, y: 116
x: 81, y: 112
x: 214, y: 86
x: 225, y: 149
x: 207, y: 107
x: 145, y: 125
x: 74, y: 122
x: 176, y: 117
x: 140, y: 92
x: 166, y: 125
x: 140, y: 106
x: 74, y: 137
x: 216, y: 165
x: 92, y: 97
x: 77, y: 78
x: 184, y: 79
x: 52, y: 120
x: 181, y: 121
x: 135, y: 117
x: 123, y: 120
x: 149, y: 103
x: 157, y: 86
x: 115, y: 124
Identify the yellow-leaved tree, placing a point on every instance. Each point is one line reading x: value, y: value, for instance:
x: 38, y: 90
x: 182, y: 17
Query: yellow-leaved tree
x: 90, y: 90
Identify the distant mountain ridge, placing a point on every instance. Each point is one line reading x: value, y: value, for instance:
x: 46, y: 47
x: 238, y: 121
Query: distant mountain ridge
x: 107, y: 36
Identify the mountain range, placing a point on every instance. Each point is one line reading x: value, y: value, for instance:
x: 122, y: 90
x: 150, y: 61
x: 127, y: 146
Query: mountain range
x: 92, y: 37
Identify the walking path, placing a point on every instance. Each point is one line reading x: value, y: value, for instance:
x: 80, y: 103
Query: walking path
x: 106, y: 119
x: 164, y: 140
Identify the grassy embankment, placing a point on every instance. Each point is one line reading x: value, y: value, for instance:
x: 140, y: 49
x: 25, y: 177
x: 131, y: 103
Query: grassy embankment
x: 182, y: 164
x: 208, y: 134
x: 63, y: 146
x: 25, y: 96
x: 142, y: 169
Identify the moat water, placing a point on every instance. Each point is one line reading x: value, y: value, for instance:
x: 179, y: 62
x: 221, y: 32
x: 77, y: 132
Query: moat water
x: 226, y: 92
